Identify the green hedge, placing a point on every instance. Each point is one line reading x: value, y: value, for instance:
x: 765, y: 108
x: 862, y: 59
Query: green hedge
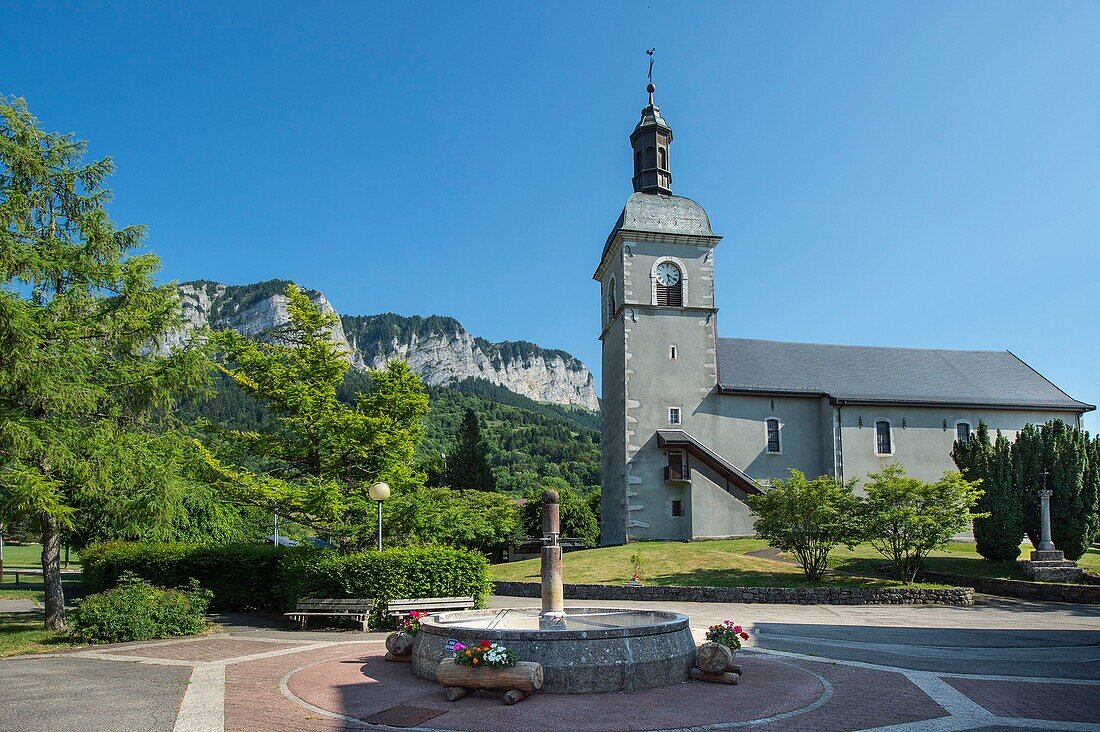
x: 241, y: 576
x: 259, y: 577
x: 391, y: 574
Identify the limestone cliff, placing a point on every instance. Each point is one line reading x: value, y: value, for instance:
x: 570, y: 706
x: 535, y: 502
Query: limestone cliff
x: 438, y: 348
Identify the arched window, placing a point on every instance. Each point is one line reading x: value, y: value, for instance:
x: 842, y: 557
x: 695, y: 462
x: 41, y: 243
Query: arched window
x: 670, y: 284
x: 962, y: 432
x: 638, y: 162
x: 662, y: 158
x: 650, y: 157
x: 883, y: 443
x: 774, y: 445
x: 612, y: 306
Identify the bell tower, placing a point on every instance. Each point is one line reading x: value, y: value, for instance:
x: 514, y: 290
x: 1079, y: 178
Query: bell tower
x: 651, y: 139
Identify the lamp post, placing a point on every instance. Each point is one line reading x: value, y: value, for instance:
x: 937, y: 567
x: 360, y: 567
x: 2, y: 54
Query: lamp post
x: 379, y: 492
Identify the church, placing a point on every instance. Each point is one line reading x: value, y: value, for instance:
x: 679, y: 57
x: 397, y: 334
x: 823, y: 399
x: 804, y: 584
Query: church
x: 692, y: 422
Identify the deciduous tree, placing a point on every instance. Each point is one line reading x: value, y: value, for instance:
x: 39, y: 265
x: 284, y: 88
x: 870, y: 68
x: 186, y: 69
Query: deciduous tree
x: 808, y: 518
x: 905, y: 519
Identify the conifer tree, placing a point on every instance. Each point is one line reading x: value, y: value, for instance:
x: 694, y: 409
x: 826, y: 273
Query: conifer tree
x: 84, y: 365
x: 997, y: 533
x: 468, y: 466
x: 1061, y: 453
x: 315, y: 466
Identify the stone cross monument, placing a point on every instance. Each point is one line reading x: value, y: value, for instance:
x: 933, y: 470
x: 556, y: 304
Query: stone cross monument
x: 1047, y: 563
x: 553, y: 595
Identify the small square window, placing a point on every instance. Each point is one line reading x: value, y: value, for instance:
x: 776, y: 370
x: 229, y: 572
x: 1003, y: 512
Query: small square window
x: 677, y: 508
x: 674, y: 415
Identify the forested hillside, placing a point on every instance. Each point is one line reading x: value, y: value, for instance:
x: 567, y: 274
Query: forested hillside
x: 529, y: 441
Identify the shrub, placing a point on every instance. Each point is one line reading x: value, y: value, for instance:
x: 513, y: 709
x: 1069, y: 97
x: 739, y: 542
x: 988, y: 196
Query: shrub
x: 387, y: 575
x: 137, y: 610
x: 807, y: 518
x: 241, y: 576
x: 905, y: 519
x: 997, y: 536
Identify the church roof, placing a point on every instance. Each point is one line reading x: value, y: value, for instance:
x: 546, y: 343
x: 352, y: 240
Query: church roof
x: 657, y: 213
x: 874, y: 374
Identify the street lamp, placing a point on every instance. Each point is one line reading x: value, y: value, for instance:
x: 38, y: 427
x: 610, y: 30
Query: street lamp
x: 379, y: 492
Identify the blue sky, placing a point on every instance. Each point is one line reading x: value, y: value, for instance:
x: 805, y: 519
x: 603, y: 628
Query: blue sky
x: 923, y: 174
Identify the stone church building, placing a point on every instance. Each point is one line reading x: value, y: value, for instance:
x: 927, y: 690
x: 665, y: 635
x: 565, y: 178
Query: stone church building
x: 693, y: 422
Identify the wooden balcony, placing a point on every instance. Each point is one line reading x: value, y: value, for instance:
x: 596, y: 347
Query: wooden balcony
x: 676, y: 473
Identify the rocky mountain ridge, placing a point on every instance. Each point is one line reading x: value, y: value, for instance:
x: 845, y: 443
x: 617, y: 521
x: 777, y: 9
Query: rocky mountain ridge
x: 438, y: 348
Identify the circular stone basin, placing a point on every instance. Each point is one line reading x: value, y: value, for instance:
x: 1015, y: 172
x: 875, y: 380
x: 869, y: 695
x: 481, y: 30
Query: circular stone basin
x: 590, y: 650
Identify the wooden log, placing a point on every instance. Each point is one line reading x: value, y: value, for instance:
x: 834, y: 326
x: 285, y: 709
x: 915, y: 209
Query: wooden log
x: 735, y: 668
x: 726, y: 677
x: 524, y: 676
x: 398, y: 659
x: 454, y: 693
x: 399, y: 643
x: 515, y: 695
x: 713, y: 657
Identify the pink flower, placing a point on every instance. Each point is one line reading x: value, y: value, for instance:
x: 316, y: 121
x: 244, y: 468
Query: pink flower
x: 737, y: 629
x: 459, y: 647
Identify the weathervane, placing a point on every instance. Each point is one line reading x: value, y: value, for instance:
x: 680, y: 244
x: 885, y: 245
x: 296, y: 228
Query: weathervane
x: 650, y: 54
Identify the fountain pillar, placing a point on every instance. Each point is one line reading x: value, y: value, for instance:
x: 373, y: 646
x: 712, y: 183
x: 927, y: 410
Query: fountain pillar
x: 553, y: 595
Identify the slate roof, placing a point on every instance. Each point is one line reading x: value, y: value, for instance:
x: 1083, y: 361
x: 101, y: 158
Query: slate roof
x: 660, y: 214
x: 887, y: 375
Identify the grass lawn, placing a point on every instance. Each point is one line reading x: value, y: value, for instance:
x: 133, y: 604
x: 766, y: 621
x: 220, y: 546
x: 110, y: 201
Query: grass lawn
x: 30, y: 555
x: 724, y: 563
x: 23, y: 633
x: 958, y: 557
x: 727, y: 563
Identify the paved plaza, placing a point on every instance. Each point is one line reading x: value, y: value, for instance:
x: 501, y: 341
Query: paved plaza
x: 999, y: 665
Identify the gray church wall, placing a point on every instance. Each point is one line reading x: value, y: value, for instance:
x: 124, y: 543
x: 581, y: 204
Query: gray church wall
x: 920, y: 441
x: 613, y: 436
x: 716, y: 513
x: 735, y: 426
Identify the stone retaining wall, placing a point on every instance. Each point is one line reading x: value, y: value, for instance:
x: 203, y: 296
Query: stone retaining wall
x: 776, y: 595
x: 1088, y: 593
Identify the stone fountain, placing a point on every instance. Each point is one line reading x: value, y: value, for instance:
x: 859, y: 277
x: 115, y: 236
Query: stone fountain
x: 582, y: 650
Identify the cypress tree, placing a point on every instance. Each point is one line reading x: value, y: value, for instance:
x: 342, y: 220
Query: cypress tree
x: 468, y: 465
x: 1027, y: 469
x: 997, y: 535
x: 1063, y: 453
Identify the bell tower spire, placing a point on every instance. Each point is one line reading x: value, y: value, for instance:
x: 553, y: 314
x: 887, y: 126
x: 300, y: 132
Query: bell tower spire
x: 651, y: 139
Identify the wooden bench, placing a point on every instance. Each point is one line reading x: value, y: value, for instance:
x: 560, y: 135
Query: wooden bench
x: 357, y: 609
x: 400, y: 608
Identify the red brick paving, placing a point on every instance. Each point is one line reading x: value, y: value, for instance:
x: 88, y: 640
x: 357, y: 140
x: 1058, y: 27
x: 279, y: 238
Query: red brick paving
x: 355, y: 681
x: 1033, y: 700
x: 207, y: 649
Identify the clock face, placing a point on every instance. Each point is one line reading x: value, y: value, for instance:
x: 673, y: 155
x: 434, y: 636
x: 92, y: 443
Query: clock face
x: 668, y: 274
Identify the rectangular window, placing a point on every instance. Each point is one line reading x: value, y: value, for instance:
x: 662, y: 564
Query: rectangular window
x: 773, y: 435
x: 962, y: 432
x: 677, y: 508
x: 882, y: 438
x: 672, y: 352
x: 674, y: 415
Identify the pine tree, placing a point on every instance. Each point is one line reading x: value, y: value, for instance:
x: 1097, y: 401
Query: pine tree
x: 84, y: 367
x: 468, y: 466
x: 997, y: 534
